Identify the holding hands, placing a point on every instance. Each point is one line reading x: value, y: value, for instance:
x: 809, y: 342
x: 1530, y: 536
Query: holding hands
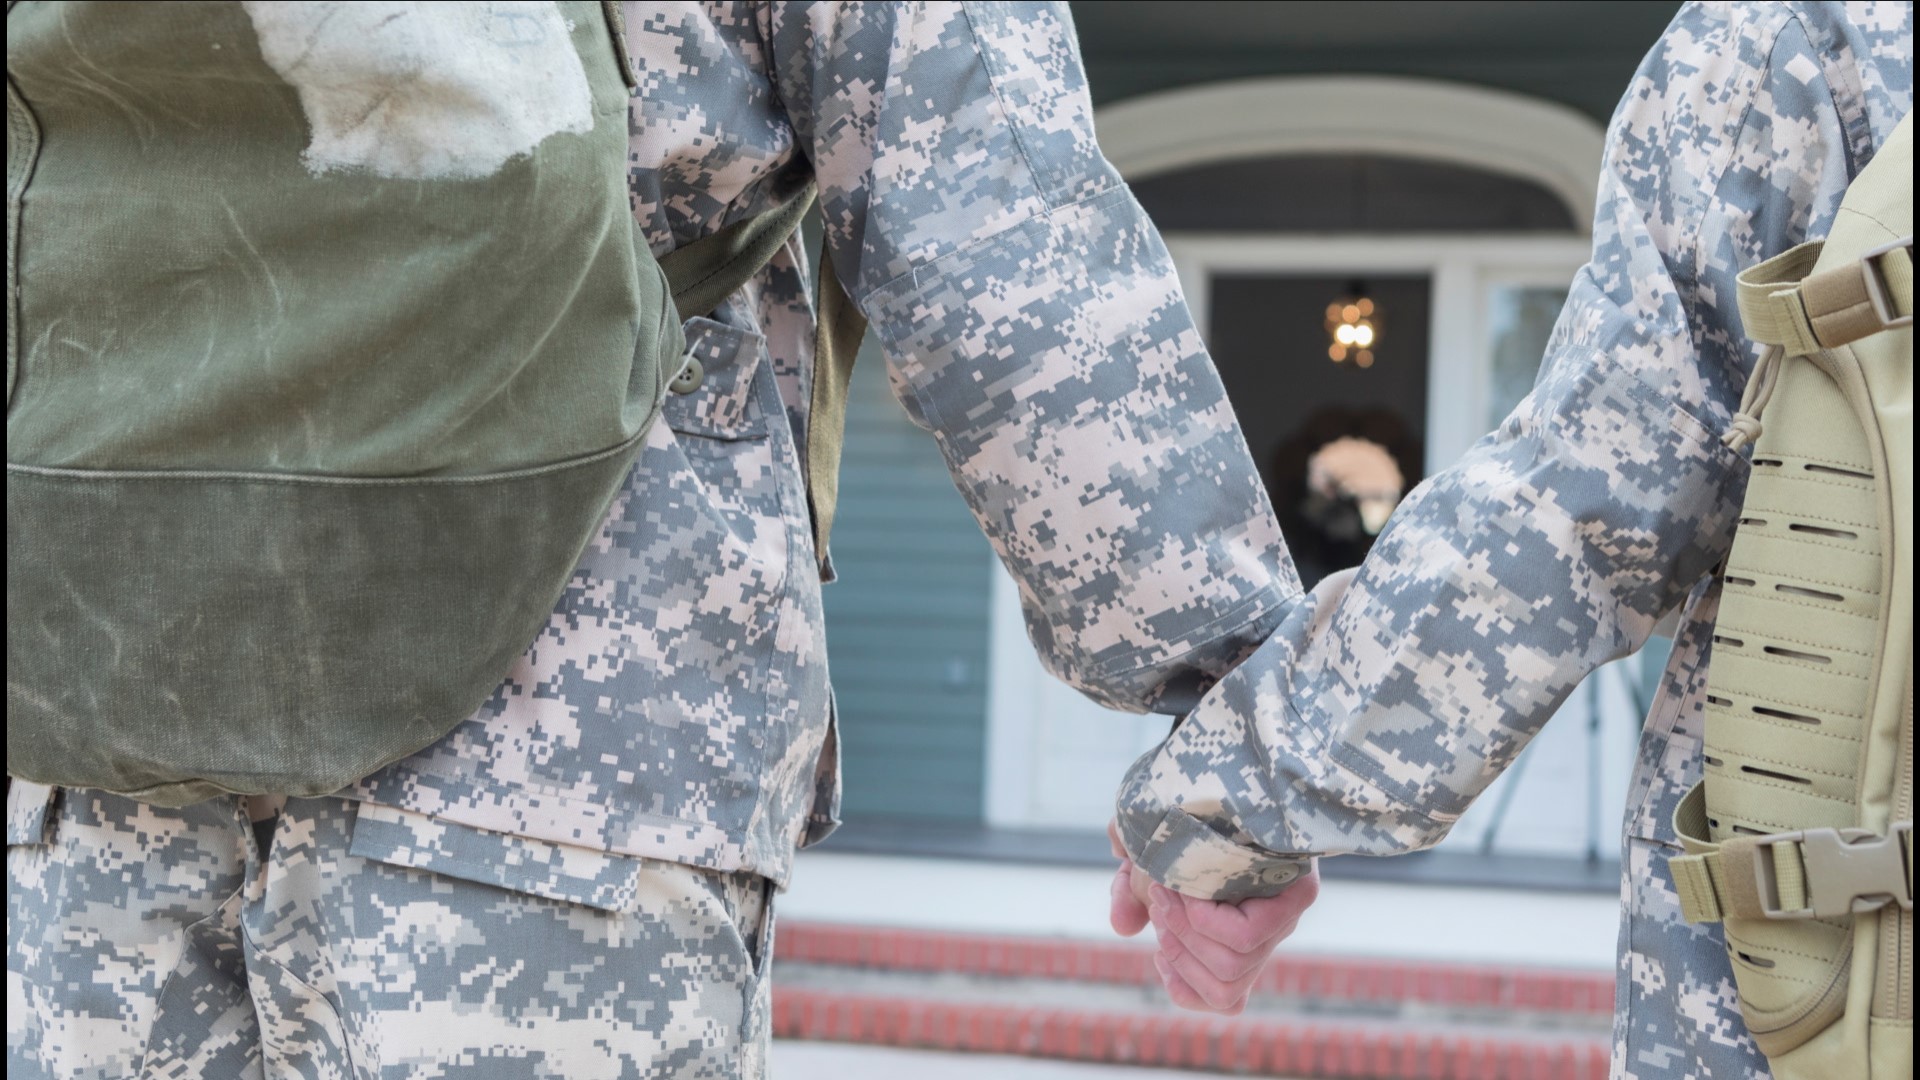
x: 1210, y: 951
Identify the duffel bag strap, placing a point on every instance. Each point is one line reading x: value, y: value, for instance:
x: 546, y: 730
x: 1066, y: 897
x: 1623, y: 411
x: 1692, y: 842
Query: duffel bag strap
x: 836, y: 343
x: 707, y: 271
x: 712, y: 268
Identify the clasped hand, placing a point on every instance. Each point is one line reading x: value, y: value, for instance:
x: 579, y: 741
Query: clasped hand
x: 1210, y: 952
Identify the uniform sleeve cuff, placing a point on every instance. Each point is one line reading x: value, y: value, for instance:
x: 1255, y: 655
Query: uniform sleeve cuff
x: 1188, y: 856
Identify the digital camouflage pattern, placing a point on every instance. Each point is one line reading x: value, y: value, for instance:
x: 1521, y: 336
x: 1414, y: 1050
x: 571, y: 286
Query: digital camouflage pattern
x: 1390, y: 697
x: 676, y: 707
x: 154, y: 942
x: 676, y: 704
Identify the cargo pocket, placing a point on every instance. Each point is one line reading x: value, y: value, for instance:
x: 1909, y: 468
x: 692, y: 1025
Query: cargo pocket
x: 823, y: 817
x: 719, y: 392
x: 656, y: 917
x: 564, y: 872
x: 724, y: 411
x: 752, y: 898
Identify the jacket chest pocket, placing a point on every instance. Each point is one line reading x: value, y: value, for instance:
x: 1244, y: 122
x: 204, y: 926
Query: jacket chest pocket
x: 729, y: 455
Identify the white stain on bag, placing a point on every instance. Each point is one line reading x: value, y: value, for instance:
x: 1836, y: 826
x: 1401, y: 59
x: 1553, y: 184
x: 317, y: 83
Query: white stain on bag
x: 425, y: 90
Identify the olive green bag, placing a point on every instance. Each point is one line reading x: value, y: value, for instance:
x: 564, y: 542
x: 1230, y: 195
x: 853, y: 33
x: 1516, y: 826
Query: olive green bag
x: 1799, y: 840
x: 331, y: 339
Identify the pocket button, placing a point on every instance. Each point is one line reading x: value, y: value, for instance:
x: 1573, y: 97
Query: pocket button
x: 689, y: 378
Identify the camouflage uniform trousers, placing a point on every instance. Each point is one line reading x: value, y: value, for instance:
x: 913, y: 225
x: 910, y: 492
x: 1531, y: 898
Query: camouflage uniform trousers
x: 149, y: 942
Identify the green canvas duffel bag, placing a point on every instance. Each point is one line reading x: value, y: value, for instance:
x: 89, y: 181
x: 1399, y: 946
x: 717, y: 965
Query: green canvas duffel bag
x: 332, y: 337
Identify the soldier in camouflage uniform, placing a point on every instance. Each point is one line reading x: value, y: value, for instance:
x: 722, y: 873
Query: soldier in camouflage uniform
x: 576, y: 881
x: 1390, y: 697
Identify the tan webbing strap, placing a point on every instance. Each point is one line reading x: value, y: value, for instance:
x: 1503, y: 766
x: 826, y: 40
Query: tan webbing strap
x: 1749, y: 873
x: 1715, y: 885
x: 1694, y: 880
x: 1796, y: 312
x: 1790, y: 876
x: 1782, y: 303
x: 1697, y: 876
x: 1769, y: 298
x: 1820, y: 873
x: 1847, y: 303
x: 1715, y: 881
x: 835, y: 346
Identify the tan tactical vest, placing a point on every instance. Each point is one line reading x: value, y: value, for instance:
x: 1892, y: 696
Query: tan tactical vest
x: 1800, y: 838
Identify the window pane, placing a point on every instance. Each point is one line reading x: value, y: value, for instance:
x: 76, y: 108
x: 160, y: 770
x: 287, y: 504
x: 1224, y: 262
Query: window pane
x: 1519, y: 320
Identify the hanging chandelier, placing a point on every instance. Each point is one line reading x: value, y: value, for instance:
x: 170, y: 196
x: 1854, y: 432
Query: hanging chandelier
x: 1353, y: 323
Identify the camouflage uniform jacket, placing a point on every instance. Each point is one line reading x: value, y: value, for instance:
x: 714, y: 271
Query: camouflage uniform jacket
x: 675, y: 706
x: 1392, y: 696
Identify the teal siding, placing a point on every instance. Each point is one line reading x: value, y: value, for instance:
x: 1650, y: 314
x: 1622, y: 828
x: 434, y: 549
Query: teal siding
x: 907, y: 621
x: 1580, y: 53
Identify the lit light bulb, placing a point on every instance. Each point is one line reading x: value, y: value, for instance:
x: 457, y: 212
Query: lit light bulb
x: 1351, y: 326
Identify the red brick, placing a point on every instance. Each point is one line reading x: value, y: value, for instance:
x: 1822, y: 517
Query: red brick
x: 1247, y: 1045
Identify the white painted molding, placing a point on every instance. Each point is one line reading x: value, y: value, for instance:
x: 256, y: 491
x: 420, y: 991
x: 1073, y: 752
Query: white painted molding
x: 1549, y: 144
x: 1014, y: 678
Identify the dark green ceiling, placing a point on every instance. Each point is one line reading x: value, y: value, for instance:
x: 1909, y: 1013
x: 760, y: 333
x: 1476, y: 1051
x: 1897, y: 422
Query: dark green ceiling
x: 1577, y: 52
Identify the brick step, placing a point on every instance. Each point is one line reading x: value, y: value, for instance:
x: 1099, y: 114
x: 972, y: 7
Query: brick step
x: 1238, y: 1045
x: 1100, y: 1002
x: 1448, y: 985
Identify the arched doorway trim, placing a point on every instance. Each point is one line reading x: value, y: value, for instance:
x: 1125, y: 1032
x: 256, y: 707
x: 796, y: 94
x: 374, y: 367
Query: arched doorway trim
x: 1549, y: 144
